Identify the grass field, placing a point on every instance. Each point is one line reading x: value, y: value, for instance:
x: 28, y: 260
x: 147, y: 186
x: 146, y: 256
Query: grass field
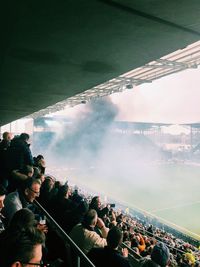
x: 169, y: 191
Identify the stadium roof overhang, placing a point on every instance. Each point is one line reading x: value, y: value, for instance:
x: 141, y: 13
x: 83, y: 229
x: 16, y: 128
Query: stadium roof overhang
x: 123, y: 125
x: 195, y: 125
x: 140, y: 126
x: 54, y: 50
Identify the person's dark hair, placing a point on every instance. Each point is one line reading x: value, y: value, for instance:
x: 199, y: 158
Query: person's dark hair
x: 134, y: 242
x: 62, y: 191
x: 19, y: 245
x: 57, y: 184
x: 93, y: 203
x: 51, y: 178
x: 83, y: 207
x: 2, y: 190
x: 30, y: 181
x: 24, y: 136
x: 36, y: 172
x: 39, y: 157
x: 89, y: 217
x: 5, y: 134
x: 115, y: 237
x: 26, y: 169
x: 46, y: 186
x: 22, y: 219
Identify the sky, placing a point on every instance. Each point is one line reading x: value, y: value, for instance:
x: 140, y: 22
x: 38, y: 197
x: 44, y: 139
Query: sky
x: 172, y: 99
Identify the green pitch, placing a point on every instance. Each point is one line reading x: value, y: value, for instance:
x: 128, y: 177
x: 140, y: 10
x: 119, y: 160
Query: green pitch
x: 168, y: 191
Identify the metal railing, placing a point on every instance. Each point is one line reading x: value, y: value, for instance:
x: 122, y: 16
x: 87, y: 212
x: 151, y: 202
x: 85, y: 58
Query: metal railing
x: 80, y: 257
x: 133, y: 257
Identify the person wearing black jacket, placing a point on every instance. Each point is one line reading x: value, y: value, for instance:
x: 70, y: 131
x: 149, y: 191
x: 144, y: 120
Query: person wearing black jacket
x: 4, y: 147
x: 109, y: 256
x: 19, y: 153
x: 96, y: 205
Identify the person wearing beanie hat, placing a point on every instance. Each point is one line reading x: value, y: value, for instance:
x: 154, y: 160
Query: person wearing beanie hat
x: 160, y: 254
x: 159, y: 257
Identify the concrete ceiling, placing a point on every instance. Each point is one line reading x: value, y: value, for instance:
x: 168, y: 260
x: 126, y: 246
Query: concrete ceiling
x: 53, y: 49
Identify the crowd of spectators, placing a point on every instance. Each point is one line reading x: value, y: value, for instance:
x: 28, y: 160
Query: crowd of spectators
x: 105, y: 234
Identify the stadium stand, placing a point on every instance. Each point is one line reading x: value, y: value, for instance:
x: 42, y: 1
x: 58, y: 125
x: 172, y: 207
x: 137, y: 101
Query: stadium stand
x: 66, y: 209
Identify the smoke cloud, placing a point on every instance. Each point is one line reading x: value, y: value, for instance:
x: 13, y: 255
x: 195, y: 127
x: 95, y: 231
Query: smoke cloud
x: 95, y: 150
x: 99, y: 154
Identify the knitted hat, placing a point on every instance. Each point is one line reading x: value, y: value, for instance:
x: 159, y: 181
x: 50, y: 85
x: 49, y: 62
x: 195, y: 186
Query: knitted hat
x: 160, y: 254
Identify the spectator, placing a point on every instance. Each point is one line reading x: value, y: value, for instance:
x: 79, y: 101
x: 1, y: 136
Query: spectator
x: 159, y: 257
x: 141, y: 243
x: 189, y: 258
x: 39, y: 162
x: 75, y: 216
x: 2, y: 197
x: 21, y: 219
x: 46, y: 191
x: 21, y: 198
x: 85, y: 236
x: 75, y: 197
x: 6, y: 139
x: 19, y: 153
x: 18, y: 177
x: 21, y: 248
x: 62, y: 201
x: 96, y: 205
x: 4, y: 145
x: 24, y: 218
x: 109, y: 255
